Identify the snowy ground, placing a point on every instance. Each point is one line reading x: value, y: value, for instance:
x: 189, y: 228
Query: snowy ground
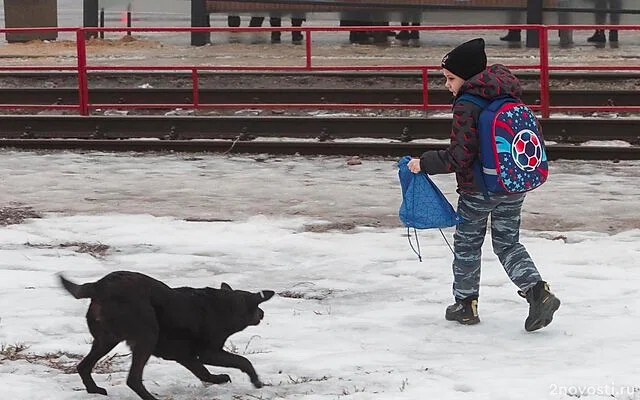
x: 357, y: 316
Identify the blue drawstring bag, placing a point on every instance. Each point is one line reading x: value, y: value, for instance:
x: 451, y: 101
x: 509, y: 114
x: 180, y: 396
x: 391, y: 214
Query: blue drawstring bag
x: 423, y: 204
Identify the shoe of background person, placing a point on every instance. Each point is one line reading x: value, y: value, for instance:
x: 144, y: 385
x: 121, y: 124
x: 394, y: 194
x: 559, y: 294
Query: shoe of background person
x: 297, y: 37
x: 403, y: 35
x: 512, y: 36
x: 464, y: 311
x: 597, y: 37
x: 613, y: 36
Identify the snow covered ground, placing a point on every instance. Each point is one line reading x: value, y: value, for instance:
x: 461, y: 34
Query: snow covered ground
x: 357, y: 316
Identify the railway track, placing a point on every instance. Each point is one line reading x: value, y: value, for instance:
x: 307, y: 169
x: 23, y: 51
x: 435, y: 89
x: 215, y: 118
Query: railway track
x: 568, y: 138
x: 599, y: 76
x: 112, y: 97
x: 175, y: 89
x: 380, y: 135
x: 290, y: 147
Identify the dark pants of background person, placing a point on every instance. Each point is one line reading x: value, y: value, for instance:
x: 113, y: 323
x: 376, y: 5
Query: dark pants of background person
x: 602, y: 9
x: 296, y: 36
x: 564, y: 18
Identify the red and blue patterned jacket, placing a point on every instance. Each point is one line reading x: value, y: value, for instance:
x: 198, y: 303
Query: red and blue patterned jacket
x: 459, y: 156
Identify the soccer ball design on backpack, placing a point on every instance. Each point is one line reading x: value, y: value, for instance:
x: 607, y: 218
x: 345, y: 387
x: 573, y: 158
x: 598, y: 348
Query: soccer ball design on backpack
x: 512, y: 158
x: 527, y: 150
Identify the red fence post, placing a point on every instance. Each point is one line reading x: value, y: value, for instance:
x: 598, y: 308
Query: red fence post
x: 425, y: 88
x: 307, y: 43
x: 196, y: 91
x: 83, y: 83
x: 544, y: 70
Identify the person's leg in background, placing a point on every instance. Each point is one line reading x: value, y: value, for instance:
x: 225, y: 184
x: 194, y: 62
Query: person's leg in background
x: 414, y: 34
x: 615, y: 6
x: 600, y: 19
x: 513, y: 35
x: 256, y: 21
x: 409, y: 37
x: 296, y: 36
x: 233, y: 21
x: 564, y: 18
x: 275, y: 22
x: 403, y: 35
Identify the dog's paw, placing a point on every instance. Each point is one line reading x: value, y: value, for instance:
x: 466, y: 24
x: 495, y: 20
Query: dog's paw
x: 257, y: 383
x: 217, y: 380
x: 97, y: 390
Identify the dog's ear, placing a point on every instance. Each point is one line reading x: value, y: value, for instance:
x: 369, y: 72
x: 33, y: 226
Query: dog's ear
x: 225, y: 286
x: 264, y: 295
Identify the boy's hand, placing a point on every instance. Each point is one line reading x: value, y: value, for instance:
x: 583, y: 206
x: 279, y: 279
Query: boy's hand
x: 414, y: 165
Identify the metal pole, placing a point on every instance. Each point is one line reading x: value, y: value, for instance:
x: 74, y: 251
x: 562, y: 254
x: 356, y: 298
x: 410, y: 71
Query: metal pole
x: 307, y: 49
x: 90, y: 16
x: 196, y: 90
x: 102, y: 22
x: 534, y: 17
x: 544, y: 71
x: 199, y: 18
x: 425, y: 88
x: 83, y: 83
x: 129, y: 19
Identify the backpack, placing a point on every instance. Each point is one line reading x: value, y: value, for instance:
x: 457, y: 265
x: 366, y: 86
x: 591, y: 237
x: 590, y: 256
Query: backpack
x: 512, y: 158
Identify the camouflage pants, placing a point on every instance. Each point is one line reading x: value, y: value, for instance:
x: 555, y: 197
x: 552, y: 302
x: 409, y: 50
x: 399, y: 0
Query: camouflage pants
x: 505, y: 235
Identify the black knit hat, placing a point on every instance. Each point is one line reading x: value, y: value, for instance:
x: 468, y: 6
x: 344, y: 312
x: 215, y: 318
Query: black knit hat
x: 466, y: 60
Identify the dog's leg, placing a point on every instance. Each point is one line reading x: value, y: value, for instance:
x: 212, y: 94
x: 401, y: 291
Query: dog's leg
x: 99, y: 349
x: 223, y: 359
x: 141, y: 351
x: 199, y: 370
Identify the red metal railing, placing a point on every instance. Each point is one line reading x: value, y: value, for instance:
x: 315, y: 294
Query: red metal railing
x: 83, y: 68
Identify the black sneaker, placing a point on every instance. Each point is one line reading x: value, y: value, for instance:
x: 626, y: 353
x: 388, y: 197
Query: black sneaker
x: 513, y: 35
x: 542, y: 305
x: 598, y: 37
x: 613, y: 36
x: 464, y: 311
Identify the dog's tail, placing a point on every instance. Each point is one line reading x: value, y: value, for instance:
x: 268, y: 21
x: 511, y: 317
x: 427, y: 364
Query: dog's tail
x: 84, y: 291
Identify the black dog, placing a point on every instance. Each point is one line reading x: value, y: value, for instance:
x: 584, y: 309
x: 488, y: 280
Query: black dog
x: 183, y: 324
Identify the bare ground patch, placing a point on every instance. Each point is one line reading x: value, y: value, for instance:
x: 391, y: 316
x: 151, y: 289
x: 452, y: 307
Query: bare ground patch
x: 343, y: 226
x: 13, y: 215
x: 93, y: 249
x: 307, y: 291
x: 62, y: 361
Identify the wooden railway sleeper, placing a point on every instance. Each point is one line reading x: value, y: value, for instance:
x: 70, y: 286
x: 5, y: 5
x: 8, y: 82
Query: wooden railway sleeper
x: 97, y: 133
x: 27, y: 133
x: 244, y: 135
x: 324, y: 135
x: 405, y: 136
x: 173, y: 134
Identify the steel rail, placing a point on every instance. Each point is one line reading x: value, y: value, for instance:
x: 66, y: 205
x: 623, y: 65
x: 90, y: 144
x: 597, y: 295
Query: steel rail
x: 290, y: 147
x: 403, y: 129
x: 591, y: 76
x: 177, y: 97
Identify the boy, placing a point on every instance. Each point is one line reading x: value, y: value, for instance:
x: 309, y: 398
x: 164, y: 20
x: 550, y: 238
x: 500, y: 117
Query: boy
x: 465, y: 70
